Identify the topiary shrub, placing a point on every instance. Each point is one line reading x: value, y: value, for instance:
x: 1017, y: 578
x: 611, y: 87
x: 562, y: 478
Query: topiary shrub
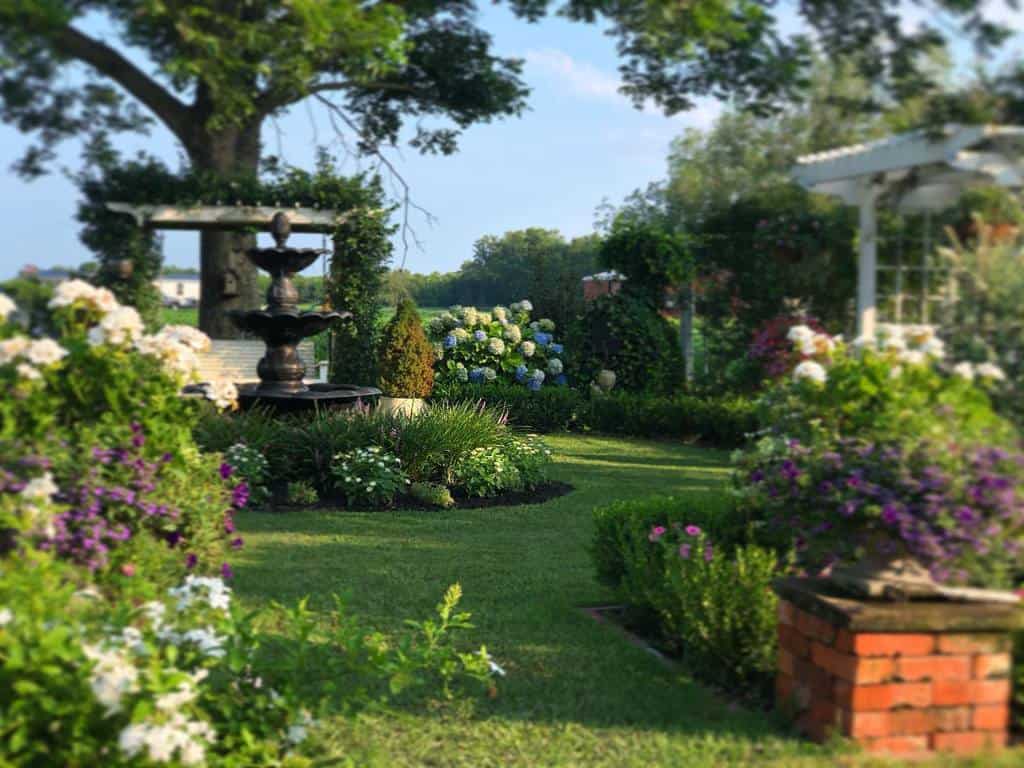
x: 406, y: 357
x: 627, y: 335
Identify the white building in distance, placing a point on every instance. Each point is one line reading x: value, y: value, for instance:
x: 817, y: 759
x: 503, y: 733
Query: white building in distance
x: 178, y: 289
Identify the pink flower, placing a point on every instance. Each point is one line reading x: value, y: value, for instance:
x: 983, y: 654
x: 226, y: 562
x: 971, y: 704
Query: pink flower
x: 708, y: 553
x: 692, y: 530
x: 684, y: 551
x: 128, y: 569
x: 656, y: 533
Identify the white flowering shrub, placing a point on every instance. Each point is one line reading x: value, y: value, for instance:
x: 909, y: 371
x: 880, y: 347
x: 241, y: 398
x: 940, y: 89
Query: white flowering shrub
x: 368, y: 477
x: 486, y: 472
x: 501, y: 345
x: 179, y: 679
x: 102, y: 368
x: 531, y: 457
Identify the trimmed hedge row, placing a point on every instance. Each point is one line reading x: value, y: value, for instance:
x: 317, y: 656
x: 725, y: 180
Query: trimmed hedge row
x: 723, y: 421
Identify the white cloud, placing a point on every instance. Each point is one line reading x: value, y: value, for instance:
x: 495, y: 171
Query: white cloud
x: 590, y: 82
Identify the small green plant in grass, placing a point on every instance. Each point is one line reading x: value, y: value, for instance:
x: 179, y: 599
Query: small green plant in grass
x: 302, y: 494
x: 252, y: 466
x: 486, y: 472
x: 432, y: 494
x: 368, y: 477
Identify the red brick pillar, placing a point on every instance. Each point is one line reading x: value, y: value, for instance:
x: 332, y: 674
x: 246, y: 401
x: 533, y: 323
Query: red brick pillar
x: 895, y: 677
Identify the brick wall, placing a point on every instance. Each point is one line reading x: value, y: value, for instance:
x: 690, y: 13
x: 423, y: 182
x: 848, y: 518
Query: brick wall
x: 894, y: 692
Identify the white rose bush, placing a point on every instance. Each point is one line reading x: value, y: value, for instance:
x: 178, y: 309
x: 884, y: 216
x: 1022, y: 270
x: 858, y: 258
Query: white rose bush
x: 501, y: 345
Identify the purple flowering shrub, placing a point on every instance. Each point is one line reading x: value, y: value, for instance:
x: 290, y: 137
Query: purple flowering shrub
x: 122, y: 514
x: 959, y: 510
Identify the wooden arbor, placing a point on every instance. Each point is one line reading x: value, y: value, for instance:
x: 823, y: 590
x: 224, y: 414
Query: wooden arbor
x: 920, y: 171
x: 216, y: 287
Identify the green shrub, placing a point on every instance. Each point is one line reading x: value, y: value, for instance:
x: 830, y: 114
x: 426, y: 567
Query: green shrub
x: 486, y: 472
x: 551, y: 409
x: 432, y: 494
x: 530, y: 456
x: 368, y: 477
x: 684, y: 566
x: 216, y: 432
x: 626, y: 335
x: 406, y: 357
x: 302, y: 494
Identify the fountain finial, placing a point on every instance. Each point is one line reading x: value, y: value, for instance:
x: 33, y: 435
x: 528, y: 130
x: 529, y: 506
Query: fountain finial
x: 280, y: 228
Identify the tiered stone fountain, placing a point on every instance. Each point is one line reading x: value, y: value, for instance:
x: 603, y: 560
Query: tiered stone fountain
x: 282, y: 326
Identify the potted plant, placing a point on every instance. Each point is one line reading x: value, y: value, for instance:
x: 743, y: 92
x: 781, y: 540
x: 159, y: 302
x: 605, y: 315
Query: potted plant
x: 406, y: 362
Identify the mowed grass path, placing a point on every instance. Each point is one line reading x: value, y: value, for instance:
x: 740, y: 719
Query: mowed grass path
x: 576, y: 693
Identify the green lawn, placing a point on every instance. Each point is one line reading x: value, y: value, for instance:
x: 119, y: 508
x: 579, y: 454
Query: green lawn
x: 576, y: 694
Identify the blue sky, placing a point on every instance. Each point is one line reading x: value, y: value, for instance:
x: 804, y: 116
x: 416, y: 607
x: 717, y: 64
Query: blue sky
x: 579, y: 143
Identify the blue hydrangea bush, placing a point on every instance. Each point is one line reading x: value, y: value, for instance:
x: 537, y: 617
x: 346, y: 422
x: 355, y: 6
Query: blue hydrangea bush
x: 503, y: 344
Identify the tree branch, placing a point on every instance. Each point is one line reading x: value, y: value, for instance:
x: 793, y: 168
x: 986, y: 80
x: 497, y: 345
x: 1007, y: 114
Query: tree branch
x: 69, y: 42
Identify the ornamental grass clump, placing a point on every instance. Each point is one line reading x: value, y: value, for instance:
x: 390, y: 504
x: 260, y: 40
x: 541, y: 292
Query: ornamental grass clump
x: 406, y: 356
x: 368, y: 477
x: 501, y: 345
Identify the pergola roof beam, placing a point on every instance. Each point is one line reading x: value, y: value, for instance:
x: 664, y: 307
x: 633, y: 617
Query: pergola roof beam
x: 228, y: 217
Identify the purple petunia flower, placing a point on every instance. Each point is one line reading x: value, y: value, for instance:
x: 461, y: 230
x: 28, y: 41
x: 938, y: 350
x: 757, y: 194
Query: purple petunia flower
x: 692, y: 530
x: 190, y: 560
x: 226, y: 470
x: 226, y: 573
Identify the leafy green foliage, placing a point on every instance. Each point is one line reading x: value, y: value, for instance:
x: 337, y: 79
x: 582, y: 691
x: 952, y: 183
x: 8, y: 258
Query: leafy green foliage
x: 250, y: 464
x: 626, y: 334
x: 362, y: 248
x: 302, y: 493
x: 486, y: 472
x: 653, y: 259
x: 406, y: 357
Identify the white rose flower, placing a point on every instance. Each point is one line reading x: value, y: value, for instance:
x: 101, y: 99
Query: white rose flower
x: 798, y: 333
x: 27, y: 372
x: 45, y: 352
x: 990, y: 371
x: 964, y: 370
x: 7, y: 307
x: 528, y: 348
x: 223, y: 394
x: 121, y: 326
x: 12, y: 349
x: 811, y: 371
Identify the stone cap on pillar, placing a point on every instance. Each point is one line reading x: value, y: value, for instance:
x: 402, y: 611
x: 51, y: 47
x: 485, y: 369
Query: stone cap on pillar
x: 822, y: 599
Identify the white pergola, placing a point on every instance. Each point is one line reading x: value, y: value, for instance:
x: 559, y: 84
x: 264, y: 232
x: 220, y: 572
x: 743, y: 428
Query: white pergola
x: 920, y: 171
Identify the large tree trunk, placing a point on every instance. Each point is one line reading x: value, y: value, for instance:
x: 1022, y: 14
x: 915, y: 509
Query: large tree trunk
x: 227, y: 279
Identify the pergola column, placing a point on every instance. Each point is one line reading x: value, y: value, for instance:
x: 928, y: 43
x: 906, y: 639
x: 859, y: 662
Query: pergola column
x: 867, y: 260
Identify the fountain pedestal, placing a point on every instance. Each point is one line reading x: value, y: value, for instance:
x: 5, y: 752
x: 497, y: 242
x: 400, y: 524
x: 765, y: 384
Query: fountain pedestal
x: 282, y: 326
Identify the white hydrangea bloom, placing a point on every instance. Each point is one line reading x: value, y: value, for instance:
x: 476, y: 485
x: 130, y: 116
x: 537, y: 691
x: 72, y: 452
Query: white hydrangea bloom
x: 496, y: 346
x: 606, y: 379
x: 990, y: 371
x: 547, y: 325
x: 461, y: 335
x: 964, y: 370
x: 537, y: 374
x: 44, y: 352
x: 528, y: 348
x: 811, y: 371
x: 489, y: 373
x: 7, y: 307
x: 500, y: 314
x: 6, y: 616
x: 513, y: 333
x: 554, y: 366
x: 461, y: 372
x: 469, y: 317
x: 484, y: 318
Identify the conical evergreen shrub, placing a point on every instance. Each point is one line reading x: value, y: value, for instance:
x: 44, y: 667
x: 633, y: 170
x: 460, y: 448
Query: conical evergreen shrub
x: 406, y: 357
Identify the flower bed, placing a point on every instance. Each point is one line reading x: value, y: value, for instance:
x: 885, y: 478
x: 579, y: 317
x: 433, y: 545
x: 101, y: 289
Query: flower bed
x: 118, y: 632
x: 372, y: 459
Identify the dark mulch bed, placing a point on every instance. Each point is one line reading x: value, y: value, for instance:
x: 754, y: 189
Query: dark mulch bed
x: 539, y: 495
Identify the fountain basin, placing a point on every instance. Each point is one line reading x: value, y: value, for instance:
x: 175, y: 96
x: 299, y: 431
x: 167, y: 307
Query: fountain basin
x: 314, y: 397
